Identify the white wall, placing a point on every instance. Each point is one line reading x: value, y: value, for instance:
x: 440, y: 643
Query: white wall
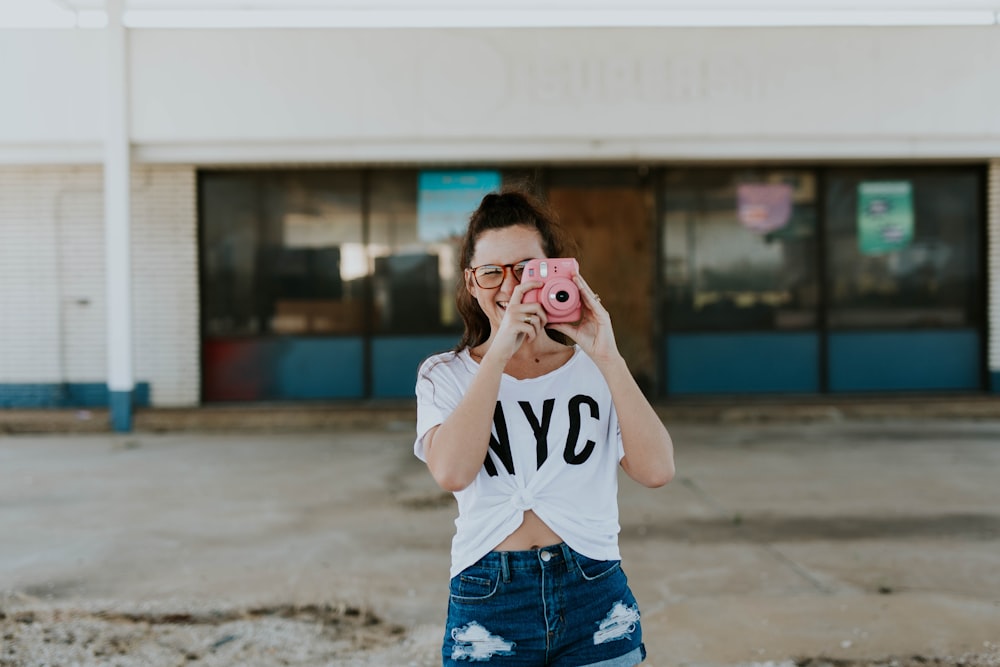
x: 53, y: 314
x: 165, y: 292
x: 50, y: 263
x: 327, y: 95
x: 52, y: 89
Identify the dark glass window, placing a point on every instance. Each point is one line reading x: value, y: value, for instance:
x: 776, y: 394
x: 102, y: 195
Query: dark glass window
x: 319, y: 252
x: 919, y: 269
x: 414, y: 277
x: 282, y: 253
x: 738, y: 249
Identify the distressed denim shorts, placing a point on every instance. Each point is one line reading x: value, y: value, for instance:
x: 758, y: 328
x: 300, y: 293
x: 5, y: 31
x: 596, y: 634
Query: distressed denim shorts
x: 549, y: 606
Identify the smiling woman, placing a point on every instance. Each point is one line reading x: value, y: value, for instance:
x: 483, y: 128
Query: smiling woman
x: 527, y: 422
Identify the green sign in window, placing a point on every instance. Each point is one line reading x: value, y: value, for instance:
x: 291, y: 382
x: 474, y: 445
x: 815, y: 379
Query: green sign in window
x: 885, y: 216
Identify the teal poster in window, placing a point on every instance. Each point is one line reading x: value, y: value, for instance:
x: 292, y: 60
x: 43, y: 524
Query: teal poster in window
x: 446, y: 199
x: 885, y: 216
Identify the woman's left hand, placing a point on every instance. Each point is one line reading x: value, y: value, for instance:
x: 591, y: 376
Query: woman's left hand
x: 593, y: 333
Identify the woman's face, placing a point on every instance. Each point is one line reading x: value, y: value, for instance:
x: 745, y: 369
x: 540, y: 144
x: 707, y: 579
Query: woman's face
x: 501, y: 247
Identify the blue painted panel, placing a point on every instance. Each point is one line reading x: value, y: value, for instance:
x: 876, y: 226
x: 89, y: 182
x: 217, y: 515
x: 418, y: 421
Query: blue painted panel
x: 66, y: 395
x: 318, y: 368
x: 120, y: 403
x: 742, y: 363
x: 904, y: 360
x: 396, y: 359
x: 995, y: 382
x: 446, y: 199
x: 286, y: 368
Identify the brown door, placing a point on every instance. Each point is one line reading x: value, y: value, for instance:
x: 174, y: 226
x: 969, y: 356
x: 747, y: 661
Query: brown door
x: 614, y: 227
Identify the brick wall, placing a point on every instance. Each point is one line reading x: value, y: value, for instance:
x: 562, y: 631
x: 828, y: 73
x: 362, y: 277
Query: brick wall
x: 165, y: 288
x: 52, y: 301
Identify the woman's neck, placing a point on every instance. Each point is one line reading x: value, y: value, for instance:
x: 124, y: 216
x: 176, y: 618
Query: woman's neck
x: 532, y: 359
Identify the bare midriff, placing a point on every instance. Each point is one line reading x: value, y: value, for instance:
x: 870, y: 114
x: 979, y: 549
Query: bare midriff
x: 531, y: 534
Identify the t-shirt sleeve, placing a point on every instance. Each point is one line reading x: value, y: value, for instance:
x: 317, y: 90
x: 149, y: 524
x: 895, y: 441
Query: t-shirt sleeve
x: 438, y: 393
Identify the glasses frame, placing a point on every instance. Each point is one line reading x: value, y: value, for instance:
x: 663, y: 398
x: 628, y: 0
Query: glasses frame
x: 502, y: 267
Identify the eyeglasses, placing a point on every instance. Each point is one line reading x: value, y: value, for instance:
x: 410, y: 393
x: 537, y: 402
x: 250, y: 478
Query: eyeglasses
x: 489, y: 276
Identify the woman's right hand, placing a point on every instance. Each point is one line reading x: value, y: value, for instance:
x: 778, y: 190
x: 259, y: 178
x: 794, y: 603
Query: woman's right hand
x: 521, y: 322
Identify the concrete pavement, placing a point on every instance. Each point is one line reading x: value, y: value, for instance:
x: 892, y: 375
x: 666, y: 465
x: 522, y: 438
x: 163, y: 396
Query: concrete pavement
x: 366, y: 415
x: 853, y: 539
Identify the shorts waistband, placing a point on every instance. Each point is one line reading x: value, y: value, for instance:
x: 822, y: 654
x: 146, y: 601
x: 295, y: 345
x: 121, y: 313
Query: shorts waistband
x: 531, y: 560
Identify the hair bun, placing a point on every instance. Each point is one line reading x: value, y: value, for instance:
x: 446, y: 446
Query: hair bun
x: 491, y: 199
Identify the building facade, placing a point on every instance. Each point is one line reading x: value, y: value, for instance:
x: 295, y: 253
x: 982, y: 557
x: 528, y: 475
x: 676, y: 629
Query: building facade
x: 764, y: 210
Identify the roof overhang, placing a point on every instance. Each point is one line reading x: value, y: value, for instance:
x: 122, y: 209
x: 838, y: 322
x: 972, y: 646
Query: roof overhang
x: 497, y: 14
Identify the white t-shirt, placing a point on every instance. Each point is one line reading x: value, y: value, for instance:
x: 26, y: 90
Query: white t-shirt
x: 555, y: 449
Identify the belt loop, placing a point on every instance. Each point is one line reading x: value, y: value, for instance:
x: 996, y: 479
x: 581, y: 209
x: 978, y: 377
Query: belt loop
x: 567, y: 553
x: 505, y: 566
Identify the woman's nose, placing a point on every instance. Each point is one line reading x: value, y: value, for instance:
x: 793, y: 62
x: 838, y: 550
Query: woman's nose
x: 509, y: 281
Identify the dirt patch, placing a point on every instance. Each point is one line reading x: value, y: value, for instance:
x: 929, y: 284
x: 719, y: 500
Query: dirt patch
x: 427, y: 501
x: 764, y: 529
x: 278, y: 635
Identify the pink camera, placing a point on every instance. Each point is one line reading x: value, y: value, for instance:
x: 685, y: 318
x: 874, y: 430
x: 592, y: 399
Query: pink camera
x: 559, y: 295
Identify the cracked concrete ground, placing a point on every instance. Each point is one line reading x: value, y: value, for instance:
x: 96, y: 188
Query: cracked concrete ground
x: 833, y: 543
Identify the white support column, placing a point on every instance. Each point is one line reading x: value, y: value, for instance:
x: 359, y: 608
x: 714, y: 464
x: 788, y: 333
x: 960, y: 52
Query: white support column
x: 993, y: 272
x: 117, y: 209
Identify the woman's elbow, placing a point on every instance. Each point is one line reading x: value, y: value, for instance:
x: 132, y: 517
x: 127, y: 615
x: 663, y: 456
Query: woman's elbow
x: 650, y: 474
x: 450, y: 480
x: 453, y: 485
x: 661, y: 476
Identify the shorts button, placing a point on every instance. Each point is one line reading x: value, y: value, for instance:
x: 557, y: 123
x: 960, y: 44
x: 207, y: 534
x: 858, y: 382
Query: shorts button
x: 545, y: 556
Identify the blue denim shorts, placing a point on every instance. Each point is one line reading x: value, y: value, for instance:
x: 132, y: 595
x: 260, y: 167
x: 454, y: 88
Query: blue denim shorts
x: 549, y: 606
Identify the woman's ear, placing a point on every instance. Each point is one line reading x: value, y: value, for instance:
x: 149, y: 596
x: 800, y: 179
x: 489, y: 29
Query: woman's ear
x: 470, y: 284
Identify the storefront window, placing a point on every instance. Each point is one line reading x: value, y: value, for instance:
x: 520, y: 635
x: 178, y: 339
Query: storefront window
x: 739, y: 249
x: 283, y: 253
x: 901, y: 248
x: 414, y: 277
x: 230, y: 233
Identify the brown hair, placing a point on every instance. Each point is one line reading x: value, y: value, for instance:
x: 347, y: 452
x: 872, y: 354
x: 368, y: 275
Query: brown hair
x: 507, y: 208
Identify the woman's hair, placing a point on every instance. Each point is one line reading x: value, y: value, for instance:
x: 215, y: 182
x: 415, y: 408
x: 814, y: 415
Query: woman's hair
x: 507, y: 208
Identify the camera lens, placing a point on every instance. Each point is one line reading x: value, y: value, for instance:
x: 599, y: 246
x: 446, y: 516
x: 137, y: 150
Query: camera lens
x: 562, y: 296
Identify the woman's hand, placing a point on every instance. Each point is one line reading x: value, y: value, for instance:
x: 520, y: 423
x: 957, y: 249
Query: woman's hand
x: 521, y: 322
x: 593, y: 333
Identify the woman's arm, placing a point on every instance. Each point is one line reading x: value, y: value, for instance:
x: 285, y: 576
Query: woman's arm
x: 649, y: 450
x: 455, y: 450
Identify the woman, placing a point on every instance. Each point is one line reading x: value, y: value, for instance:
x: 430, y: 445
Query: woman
x: 527, y: 432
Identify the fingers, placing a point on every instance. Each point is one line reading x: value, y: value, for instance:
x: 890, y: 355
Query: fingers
x: 525, y: 320
x: 530, y: 314
x: 518, y: 294
x: 591, y: 297
x: 532, y: 321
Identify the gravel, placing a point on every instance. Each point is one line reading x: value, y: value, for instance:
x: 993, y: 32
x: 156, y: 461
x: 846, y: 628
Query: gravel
x: 36, y: 633
x: 33, y: 633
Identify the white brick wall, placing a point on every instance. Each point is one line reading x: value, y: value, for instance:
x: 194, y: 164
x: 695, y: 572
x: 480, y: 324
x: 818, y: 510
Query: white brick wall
x: 993, y: 264
x: 48, y: 256
x: 81, y: 318
x: 165, y: 288
x: 52, y: 302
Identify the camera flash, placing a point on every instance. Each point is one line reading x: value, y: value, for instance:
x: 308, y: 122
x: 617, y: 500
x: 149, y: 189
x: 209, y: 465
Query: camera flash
x: 543, y: 269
